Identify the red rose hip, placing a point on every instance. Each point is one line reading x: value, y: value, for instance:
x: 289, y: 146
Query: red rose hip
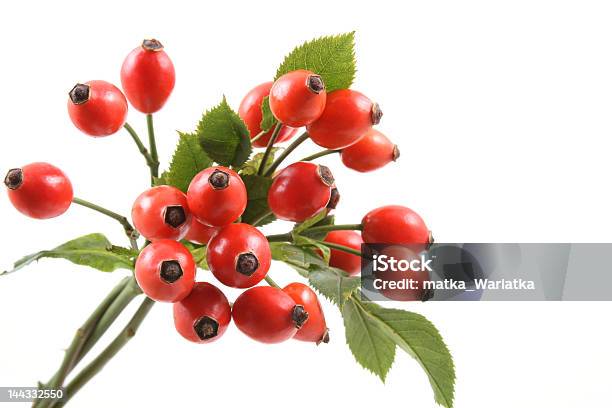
x: 349, y: 263
x: 373, y: 151
x: 39, y: 190
x: 239, y: 255
x: 347, y: 117
x: 97, y: 108
x: 199, y: 233
x: 395, y: 224
x: 204, y: 315
x: 298, y: 98
x: 300, y: 191
x: 147, y: 76
x: 162, y: 213
x: 165, y: 271
x: 217, y: 196
x: 268, y: 314
x: 315, y: 329
x: 250, y: 112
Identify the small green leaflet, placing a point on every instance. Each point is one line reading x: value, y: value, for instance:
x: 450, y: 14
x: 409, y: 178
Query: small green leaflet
x: 252, y: 165
x: 188, y: 160
x: 309, y: 242
x: 267, y: 118
x: 369, y: 345
x: 224, y: 136
x: 310, y: 222
x: 333, y: 283
x: 418, y: 337
x: 93, y: 250
x: 257, y: 204
x: 332, y: 57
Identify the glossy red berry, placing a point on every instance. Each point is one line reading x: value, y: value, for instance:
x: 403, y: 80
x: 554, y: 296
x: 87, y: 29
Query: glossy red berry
x: 250, y: 112
x: 217, y: 196
x: 268, y: 314
x: 39, y: 190
x: 390, y: 282
x: 349, y: 263
x: 239, y: 255
x: 373, y: 151
x: 347, y: 117
x: 298, y: 98
x: 394, y: 224
x: 165, y: 271
x: 97, y: 108
x: 161, y: 213
x: 199, y: 233
x: 147, y: 76
x: 204, y: 315
x: 300, y: 191
x: 315, y: 328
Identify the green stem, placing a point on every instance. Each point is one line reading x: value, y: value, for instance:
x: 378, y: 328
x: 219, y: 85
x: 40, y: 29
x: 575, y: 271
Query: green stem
x: 280, y: 237
x: 153, y: 147
x: 320, y: 154
x: 108, y: 353
x: 338, y: 227
x: 141, y: 147
x: 286, y: 153
x: 127, y: 227
x: 340, y: 248
x: 258, y: 136
x: 261, y: 218
x: 268, y: 151
x: 271, y: 282
x: 75, y: 351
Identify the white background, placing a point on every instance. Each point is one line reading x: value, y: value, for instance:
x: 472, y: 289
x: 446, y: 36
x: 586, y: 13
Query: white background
x: 501, y: 109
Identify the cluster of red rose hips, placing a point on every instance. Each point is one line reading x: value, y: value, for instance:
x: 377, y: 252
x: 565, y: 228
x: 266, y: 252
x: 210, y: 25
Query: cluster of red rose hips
x: 237, y: 254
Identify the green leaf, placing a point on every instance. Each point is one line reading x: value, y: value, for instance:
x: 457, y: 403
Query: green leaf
x: 332, y: 57
x: 162, y: 180
x: 198, y: 252
x: 328, y: 220
x: 368, y: 343
x: 295, y: 256
x: 267, y: 118
x: 252, y: 165
x: 310, y: 222
x: 418, y: 337
x: 257, y: 204
x: 333, y: 283
x: 93, y: 250
x: 302, y: 241
x: 224, y: 136
x: 188, y: 160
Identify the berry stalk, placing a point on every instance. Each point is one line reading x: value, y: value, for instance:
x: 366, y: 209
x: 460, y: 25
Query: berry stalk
x: 108, y: 353
x: 127, y: 227
x: 337, y: 227
x: 141, y: 147
x: 320, y: 154
x: 294, y: 145
x: 153, y: 147
x: 271, y: 142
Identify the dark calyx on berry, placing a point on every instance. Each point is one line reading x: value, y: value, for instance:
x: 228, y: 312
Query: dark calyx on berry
x: 170, y: 271
x: 152, y: 45
x: 175, y: 216
x: 430, y: 240
x: 324, y: 338
x: 299, y: 316
x: 427, y: 294
x: 247, y: 263
x: 377, y: 113
x: 79, y: 94
x: 334, y: 198
x: 13, y: 179
x: 206, y: 327
x: 396, y: 152
x: 219, y: 180
x: 325, y: 175
x: 315, y: 83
